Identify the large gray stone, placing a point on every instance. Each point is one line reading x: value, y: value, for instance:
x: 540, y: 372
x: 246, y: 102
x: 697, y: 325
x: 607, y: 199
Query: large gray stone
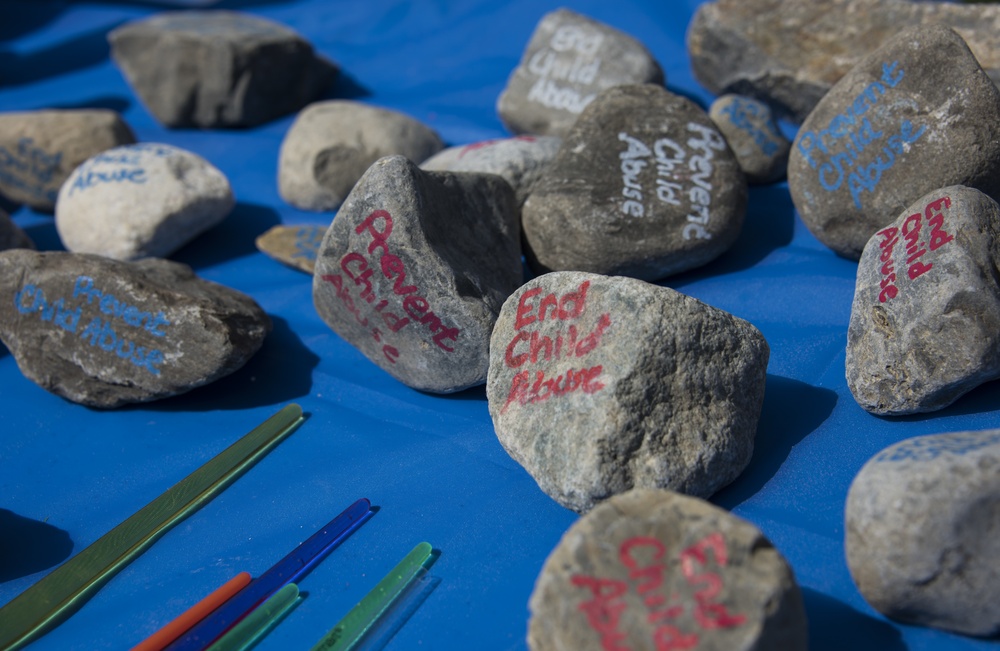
x: 11, y: 235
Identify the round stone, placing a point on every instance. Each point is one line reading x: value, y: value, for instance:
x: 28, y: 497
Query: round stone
x: 753, y: 135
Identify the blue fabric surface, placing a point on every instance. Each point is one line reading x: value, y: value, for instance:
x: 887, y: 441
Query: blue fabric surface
x: 433, y: 465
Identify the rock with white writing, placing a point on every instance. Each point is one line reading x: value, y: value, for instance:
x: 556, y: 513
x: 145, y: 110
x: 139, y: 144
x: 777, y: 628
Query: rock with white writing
x: 652, y: 569
x: 600, y: 384
x: 295, y: 246
x: 925, y: 322
x: 753, y: 135
x: 644, y: 185
x: 218, y: 68
x: 142, y: 200
x: 331, y: 144
x: 414, y: 270
x: 104, y: 333
x: 916, y: 115
x: 519, y: 160
x: 40, y: 149
x: 11, y: 235
x: 569, y: 60
x: 921, y: 531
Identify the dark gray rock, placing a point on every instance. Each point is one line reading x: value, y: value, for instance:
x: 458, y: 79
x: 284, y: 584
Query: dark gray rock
x: 11, y: 236
x: 104, y: 333
x: 295, y: 246
x: 652, y: 569
x: 921, y: 531
x: 925, y: 322
x: 916, y: 115
x: 598, y: 385
x: 218, y: 68
x: 644, y: 185
x: 568, y: 61
x: 414, y: 269
x: 753, y: 135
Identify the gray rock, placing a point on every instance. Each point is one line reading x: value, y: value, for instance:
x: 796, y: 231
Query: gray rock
x: 921, y: 531
x: 753, y: 135
x: 218, y: 68
x: 519, y: 160
x: 11, y: 236
x: 916, y: 115
x: 40, y: 149
x: 598, y: 385
x: 925, y: 322
x: 295, y: 246
x: 644, y: 185
x: 568, y: 61
x: 143, y: 200
x: 652, y: 569
x: 331, y: 144
x: 414, y: 269
x: 104, y: 333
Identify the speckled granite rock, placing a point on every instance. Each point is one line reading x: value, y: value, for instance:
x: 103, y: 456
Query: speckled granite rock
x: 295, y: 246
x: 11, y: 236
x: 753, y: 135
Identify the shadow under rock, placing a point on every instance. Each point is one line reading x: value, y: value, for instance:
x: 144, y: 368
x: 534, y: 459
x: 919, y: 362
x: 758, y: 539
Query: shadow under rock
x: 346, y: 86
x: 116, y: 103
x: 834, y: 626
x: 7, y: 205
x: 233, y: 238
x: 29, y: 17
x: 83, y: 51
x: 982, y: 399
x: 477, y: 393
x: 688, y: 95
x: 45, y: 236
x: 28, y: 546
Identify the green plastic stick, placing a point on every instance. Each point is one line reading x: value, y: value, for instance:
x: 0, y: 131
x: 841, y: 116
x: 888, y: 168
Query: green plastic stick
x: 257, y: 624
x: 64, y: 590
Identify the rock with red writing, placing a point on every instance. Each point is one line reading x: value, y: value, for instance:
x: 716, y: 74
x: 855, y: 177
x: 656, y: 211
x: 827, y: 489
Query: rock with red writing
x: 925, y: 322
x: 644, y: 185
x: 414, y: 270
x: 916, y: 115
x: 652, y: 569
x: 295, y: 246
x: 753, y: 135
x: 921, y: 531
x: 11, y: 235
x: 568, y: 61
x: 600, y: 384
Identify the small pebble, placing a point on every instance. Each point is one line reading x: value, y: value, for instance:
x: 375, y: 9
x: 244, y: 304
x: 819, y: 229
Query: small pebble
x: 753, y: 135
x: 12, y: 236
x: 295, y: 246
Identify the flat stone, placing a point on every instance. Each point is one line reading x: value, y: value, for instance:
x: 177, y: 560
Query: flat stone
x: 925, y: 322
x: 916, y: 115
x: 331, y: 144
x: 414, y: 269
x: 652, y: 569
x: 921, y: 531
x: 753, y: 135
x: 40, y: 149
x: 295, y: 246
x: 598, y: 385
x: 104, y: 333
x: 11, y: 235
x: 569, y: 60
x: 218, y: 68
x: 621, y: 197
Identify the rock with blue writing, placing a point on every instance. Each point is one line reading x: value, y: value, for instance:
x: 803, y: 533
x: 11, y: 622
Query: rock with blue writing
x: 295, y: 246
x: 916, y: 115
x: 218, y: 68
x: 12, y: 236
x: 139, y: 201
x: 644, y: 185
x: 331, y: 144
x: 600, y: 384
x: 925, y: 322
x: 40, y: 149
x: 753, y: 135
x: 569, y: 60
x: 104, y: 333
x: 414, y: 270
x: 921, y: 529
x: 652, y: 569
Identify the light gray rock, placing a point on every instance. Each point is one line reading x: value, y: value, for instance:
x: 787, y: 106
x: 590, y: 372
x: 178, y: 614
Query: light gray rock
x: 598, y: 385
x: 11, y: 235
x: 138, y: 201
x: 922, y: 525
x: 753, y: 135
x: 295, y: 246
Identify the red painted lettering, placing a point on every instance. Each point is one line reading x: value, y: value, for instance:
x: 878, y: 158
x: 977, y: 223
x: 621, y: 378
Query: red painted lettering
x: 602, y: 611
x: 936, y: 221
x: 523, y: 316
x: 710, y: 615
x: 512, y: 360
x: 379, y: 237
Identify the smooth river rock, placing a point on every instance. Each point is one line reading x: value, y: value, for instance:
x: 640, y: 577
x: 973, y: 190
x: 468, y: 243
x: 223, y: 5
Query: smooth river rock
x: 753, y: 135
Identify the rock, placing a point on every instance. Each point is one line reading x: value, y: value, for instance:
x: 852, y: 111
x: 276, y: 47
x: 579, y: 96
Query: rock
x: 644, y: 185
x: 295, y: 246
x: 925, y: 322
x: 11, y: 236
x: 104, y: 333
x: 218, y: 68
x: 788, y: 53
x: 598, y: 385
x: 921, y: 531
x: 331, y: 144
x: 144, y: 200
x: 414, y: 269
x: 916, y: 115
x: 569, y: 60
x: 652, y: 569
x: 40, y: 149
x: 753, y: 135
x: 519, y: 160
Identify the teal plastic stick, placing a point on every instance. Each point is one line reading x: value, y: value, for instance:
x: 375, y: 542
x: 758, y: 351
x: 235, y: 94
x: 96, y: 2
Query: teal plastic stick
x: 258, y: 623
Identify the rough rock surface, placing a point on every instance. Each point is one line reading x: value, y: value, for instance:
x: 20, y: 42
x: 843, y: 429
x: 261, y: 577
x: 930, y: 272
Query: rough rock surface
x: 414, y: 270
x: 104, y: 333
x: 295, y: 246
x: 651, y: 569
x: 598, y: 385
x: 11, y: 235
x: 753, y: 135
